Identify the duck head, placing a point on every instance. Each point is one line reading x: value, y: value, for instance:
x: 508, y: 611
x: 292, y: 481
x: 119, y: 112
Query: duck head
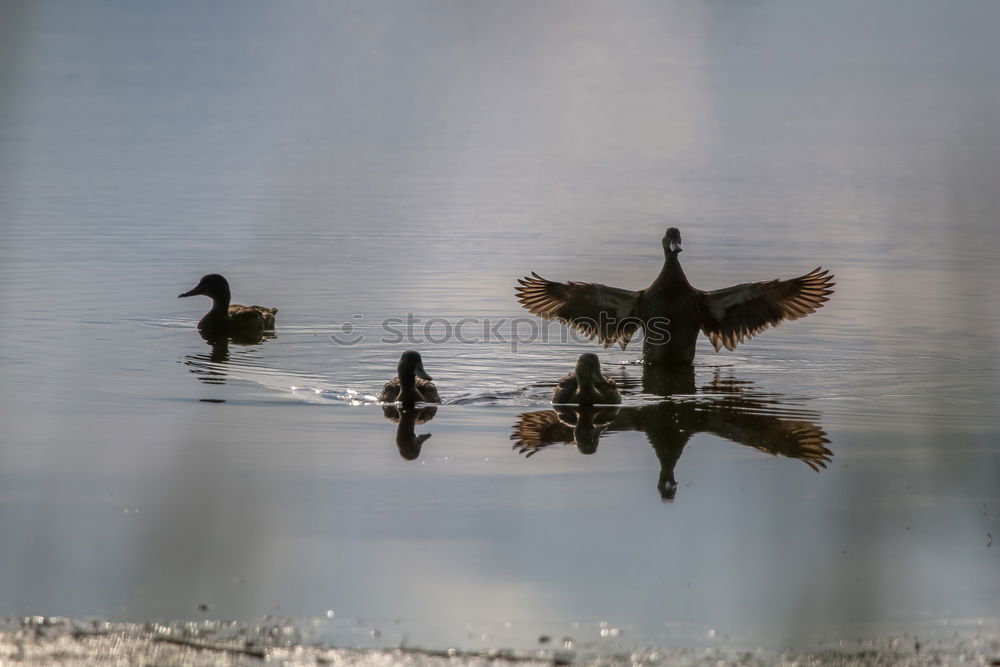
x: 588, y: 370
x: 672, y: 241
x: 213, y: 285
x: 410, y: 364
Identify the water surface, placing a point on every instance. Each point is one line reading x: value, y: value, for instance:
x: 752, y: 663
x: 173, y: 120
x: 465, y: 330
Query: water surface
x: 357, y: 162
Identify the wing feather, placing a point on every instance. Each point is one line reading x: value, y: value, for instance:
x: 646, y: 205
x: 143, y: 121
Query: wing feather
x: 736, y: 314
x: 253, y: 316
x: 609, y: 314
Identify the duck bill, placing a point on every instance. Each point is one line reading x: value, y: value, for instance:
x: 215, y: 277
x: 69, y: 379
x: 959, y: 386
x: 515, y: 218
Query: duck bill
x: 189, y: 293
x: 421, y: 373
x: 675, y: 246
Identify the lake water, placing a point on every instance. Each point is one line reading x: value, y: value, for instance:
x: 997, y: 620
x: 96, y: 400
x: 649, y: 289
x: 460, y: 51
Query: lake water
x: 353, y: 163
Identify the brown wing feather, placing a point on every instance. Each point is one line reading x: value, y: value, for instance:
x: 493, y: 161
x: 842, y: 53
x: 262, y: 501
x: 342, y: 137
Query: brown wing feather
x: 427, y: 390
x: 736, y: 314
x: 252, y: 316
x: 609, y: 314
x: 390, y: 391
x: 564, y: 388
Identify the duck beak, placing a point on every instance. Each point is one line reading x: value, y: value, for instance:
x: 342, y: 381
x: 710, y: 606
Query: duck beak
x: 421, y: 373
x: 675, y: 246
x: 190, y: 293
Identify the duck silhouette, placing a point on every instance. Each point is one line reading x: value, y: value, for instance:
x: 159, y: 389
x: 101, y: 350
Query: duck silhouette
x: 225, y: 321
x: 671, y: 312
x: 587, y: 385
x: 412, y: 384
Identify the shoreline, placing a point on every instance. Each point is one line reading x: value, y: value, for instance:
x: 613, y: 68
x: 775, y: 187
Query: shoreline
x: 39, y: 640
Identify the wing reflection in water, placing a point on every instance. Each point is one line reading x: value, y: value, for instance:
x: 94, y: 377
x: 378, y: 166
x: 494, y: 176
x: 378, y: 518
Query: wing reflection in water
x: 726, y: 408
x: 408, y: 442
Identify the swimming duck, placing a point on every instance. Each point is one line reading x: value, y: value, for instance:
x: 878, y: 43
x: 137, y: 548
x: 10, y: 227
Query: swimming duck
x: 412, y: 385
x: 671, y: 312
x: 587, y: 385
x: 230, y: 321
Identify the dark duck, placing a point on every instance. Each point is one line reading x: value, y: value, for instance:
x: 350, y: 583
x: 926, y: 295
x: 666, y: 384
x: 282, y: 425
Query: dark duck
x: 412, y: 384
x: 586, y: 385
x: 230, y: 321
x: 671, y: 312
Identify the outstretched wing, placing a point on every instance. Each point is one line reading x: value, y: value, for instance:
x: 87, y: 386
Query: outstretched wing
x: 735, y: 314
x: 609, y: 314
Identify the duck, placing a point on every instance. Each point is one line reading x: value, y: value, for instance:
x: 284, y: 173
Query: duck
x: 227, y: 320
x: 412, y: 384
x: 671, y: 312
x: 587, y: 385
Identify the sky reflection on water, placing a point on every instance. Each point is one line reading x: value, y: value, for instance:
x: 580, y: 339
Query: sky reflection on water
x: 378, y: 159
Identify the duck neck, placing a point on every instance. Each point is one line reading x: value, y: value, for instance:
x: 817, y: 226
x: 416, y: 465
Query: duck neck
x: 220, y: 303
x: 671, y: 275
x: 214, y: 325
x: 408, y: 393
x: 586, y: 390
x: 586, y: 387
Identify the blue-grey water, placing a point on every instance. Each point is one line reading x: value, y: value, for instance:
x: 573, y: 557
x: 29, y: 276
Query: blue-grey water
x: 354, y: 162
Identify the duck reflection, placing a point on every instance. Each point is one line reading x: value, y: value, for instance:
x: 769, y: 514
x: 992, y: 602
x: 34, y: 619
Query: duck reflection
x: 576, y: 425
x: 407, y: 441
x: 237, y: 338
x: 209, y: 368
x: 724, y: 407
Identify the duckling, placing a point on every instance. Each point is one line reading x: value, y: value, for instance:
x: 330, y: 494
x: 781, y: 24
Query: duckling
x: 230, y: 321
x: 412, y: 385
x: 587, y: 385
x: 671, y: 312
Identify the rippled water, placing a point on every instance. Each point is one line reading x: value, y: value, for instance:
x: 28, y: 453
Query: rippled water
x: 362, y: 164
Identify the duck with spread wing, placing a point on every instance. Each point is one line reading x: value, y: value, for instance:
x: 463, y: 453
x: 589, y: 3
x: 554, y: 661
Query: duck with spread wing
x: 671, y: 312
